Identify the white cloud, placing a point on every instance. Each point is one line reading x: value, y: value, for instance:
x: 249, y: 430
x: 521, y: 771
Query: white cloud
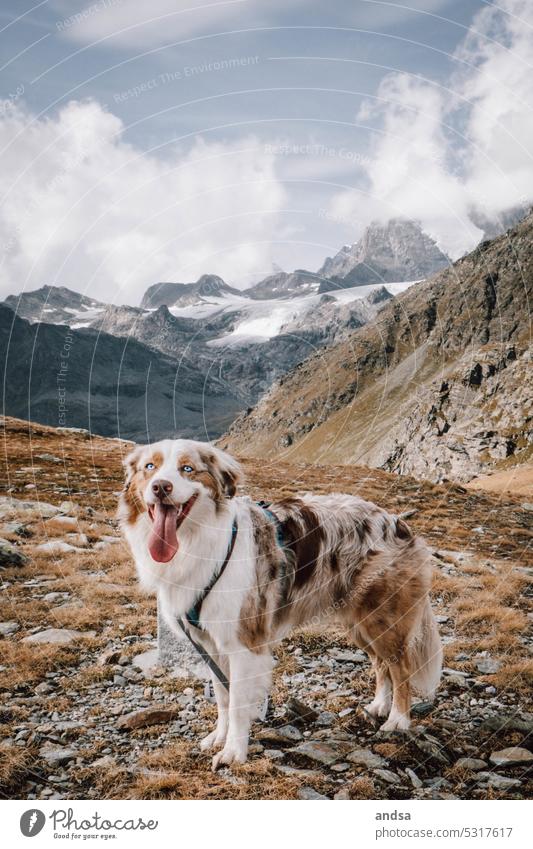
x: 83, y: 208
x: 140, y: 25
x: 440, y: 151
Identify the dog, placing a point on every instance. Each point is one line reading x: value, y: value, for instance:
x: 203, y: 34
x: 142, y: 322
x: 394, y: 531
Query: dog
x: 302, y: 561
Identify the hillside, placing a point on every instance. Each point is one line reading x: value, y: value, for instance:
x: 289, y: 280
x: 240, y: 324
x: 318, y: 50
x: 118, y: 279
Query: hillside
x: 438, y: 385
x: 74, y: 627
x: 116, y: 387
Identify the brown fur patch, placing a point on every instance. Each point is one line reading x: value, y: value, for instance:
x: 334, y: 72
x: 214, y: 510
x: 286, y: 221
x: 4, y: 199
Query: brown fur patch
x: 261, y: 605
x: 136, y: 481
x: 305, y: 538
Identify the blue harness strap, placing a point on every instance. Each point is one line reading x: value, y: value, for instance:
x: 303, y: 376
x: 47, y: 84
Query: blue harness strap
x: 193, y: 614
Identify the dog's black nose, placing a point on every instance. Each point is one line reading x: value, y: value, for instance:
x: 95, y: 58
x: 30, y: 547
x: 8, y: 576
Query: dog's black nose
x: 161, y: 488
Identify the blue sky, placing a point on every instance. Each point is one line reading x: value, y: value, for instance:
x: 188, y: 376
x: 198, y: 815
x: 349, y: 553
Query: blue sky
x: 147, y: 141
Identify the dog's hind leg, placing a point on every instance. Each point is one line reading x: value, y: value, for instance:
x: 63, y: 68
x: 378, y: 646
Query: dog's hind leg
x: 250, y: 676
x: 381, y: 704
x: 217, y: 738
x: 400, y: 673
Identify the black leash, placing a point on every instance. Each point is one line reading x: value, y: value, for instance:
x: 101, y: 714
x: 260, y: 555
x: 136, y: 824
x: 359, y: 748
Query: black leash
x: 193, y: 614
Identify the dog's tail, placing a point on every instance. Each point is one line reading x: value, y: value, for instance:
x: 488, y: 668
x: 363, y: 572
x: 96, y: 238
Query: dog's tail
x: 425, y: 651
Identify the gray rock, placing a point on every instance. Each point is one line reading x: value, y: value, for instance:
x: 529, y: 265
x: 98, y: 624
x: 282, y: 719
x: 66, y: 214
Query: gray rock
x: 342, y: 795
x: 325, y: 719
x: 44, y: 689
x: 280, y: 736
x: 346, y: 656
x: 309, y: 793
x: 488, y: 665
x: 57, y: 756
x: 499, y: 782
x: 413, y: 778
x: 472, y: 764
x: 10, y: 555
x: 59, y: 636
x: 387, y: 776
x: 511, y: 756
x: 10, y: 506
x: 322, y: 753
x: 8, y: 628
x: 365, y: 757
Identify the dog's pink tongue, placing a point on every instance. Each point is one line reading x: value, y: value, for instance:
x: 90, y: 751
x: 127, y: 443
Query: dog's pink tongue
x: 163, y: 542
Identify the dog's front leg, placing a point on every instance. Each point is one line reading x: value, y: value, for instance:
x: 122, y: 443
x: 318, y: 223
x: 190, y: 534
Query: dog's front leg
x: 250, y: 676
x: 217, y: 738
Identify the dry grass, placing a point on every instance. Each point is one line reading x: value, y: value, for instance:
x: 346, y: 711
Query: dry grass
x: 487, y: 607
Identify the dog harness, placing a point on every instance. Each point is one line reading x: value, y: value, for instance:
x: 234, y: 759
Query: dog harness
x: 192, y: 616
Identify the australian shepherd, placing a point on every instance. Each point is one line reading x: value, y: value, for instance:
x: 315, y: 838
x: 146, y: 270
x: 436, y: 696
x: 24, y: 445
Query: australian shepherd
x: 306, y: 560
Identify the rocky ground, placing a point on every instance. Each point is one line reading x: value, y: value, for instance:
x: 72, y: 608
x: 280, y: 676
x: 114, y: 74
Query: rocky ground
x: 81, y: 716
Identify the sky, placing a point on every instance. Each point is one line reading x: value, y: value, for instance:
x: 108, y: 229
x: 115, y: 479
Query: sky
x: 144, y: 142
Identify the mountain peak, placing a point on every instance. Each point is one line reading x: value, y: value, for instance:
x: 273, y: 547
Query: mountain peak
x: 390, y: 252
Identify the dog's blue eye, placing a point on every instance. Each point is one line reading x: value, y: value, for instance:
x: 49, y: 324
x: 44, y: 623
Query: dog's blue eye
x: 149, y: 466
x: 187, y: 469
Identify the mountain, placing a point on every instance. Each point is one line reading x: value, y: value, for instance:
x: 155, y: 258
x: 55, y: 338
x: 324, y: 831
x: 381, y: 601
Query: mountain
x: 55, y: 305
x: 496, y: 225
x: 285, y: 284
x: 392, y: 252
x: 436, y: 385
x: 247, y: 343
x: 185, y: 294
x: 112, y: 386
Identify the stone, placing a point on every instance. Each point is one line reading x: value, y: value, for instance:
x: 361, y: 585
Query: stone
x: 346, y: 656
x: 105, y: 762
x: 146, y: 717
x: 109, y: 657
x: 499, y: 782
x: 280, y: 736
x: 422, y: 708
x: 59, y: 636
x: 310, y: 793
x: 472, y: 764
x: 8, y: 628
x: 315, y: 750
x: 58, y: 546
x: 68, y: 507
x: 57, y: 756
x: 325, y: 719
x: 44, y: 689
x: 388, y: 776
x: 365, y: 757
x: 300, y: 711
x: 69, y: 523
x: 9, y: 506
x: 488, y: 665
x: 514, y: 755
x: 413, y: 778
x: 342, y: 795
x: 50, y: 458
x: 10, y: 555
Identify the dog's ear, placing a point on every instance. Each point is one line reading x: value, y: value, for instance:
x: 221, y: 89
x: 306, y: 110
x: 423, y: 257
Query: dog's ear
x: 130, y: 464
x: 225, y: 469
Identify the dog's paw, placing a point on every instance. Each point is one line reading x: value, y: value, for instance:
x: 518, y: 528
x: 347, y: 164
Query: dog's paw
x: 229, y: 755
x: 212, y: 741
x: 398, y: 722
x: 378, y: 708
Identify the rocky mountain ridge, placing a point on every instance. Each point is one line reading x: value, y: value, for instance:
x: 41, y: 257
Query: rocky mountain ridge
x: 436, y: 385
x: 386, y: 252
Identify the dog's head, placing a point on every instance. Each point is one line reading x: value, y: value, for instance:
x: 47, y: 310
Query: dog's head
x: 168, y: 481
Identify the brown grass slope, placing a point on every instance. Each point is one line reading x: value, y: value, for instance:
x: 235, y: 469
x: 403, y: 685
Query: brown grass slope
x: 436, y: 386
x: 484, y: 596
